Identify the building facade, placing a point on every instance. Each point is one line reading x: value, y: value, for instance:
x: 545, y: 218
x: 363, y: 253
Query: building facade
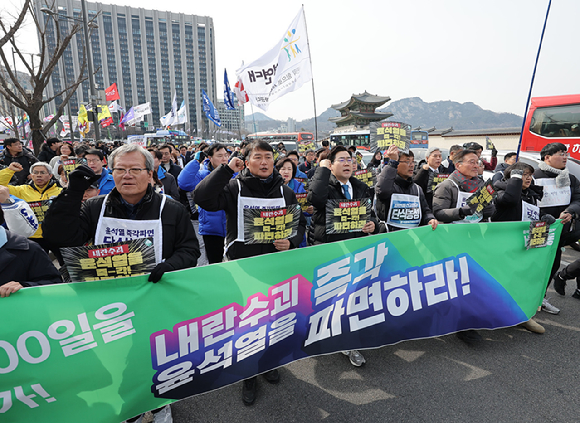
x: 232, y: 120
x: 150, y: 54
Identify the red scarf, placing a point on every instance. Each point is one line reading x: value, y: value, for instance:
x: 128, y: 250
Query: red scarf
x: 465, y: 184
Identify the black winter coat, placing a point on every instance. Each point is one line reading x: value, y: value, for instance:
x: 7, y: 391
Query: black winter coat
x: 218, y: 191
x: 71, y: 223
x: 508, y: 203
x: 25, y: 158
x: 323, y: 187
x: 389, y: 183
x: 26, y: 262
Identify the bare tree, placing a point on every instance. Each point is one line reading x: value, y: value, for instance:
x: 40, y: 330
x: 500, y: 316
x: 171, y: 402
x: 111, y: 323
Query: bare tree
x: 32, y: 101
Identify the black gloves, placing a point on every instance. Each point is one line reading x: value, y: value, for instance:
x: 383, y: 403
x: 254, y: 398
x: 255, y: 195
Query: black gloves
x: 81, y: 178
x: 465, y: 211
x: 548, y: 218
x: 493, y: 152
x: 159, y: 270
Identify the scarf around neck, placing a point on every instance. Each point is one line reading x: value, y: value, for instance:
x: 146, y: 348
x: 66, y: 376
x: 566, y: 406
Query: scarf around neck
x: 465, y: 184
x: 563, y: 178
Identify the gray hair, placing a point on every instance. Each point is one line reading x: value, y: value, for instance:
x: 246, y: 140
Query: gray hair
x: 132, y: 148
x: 46, y: 165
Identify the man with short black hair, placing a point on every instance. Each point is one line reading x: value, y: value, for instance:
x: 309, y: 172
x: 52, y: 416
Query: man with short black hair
x: 166, y: 161
x: 508, y: 160
x: 96, y: 161
x: 447, y: 165
x: 562, y: 200
x: 258, y: 185
x: 309, y: 157
x: 49, y: 149
x: 478, y: 150
x: 13, y: 152
x: 334, y: 180
x: 400, y: 202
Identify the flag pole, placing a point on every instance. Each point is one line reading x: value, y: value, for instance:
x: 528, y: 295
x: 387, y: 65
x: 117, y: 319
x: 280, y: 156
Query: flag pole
x: 313, y: 94
x: 532, y: 83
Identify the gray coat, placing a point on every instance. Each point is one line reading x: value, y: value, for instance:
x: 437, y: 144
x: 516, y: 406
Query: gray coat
x: 445, y: 202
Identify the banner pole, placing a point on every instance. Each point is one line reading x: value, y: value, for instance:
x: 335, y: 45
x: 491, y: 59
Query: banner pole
x: 313, y: 93
x: 532, y: 83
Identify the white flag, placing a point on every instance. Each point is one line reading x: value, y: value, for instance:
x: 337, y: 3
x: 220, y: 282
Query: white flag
x: 114, y: 107
x: 182, y: 113
x: 166, y: 120
x: 284, y: 69
x: 142, y: 110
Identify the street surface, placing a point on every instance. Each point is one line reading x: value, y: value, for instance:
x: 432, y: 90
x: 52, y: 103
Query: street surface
x: 512, y: 376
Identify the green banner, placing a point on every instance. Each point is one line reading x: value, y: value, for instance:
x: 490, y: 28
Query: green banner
x: 105, y: 351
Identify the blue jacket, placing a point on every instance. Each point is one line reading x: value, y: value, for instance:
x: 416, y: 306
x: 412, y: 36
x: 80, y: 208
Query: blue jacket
x: 300, y: 174
x: 297, y: 187
x: 106, y: 183
x: 210, y: 223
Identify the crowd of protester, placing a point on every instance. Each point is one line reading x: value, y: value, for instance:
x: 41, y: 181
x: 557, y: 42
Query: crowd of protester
x: 191, y: 199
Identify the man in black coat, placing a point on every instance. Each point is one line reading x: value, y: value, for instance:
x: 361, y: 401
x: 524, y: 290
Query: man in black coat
x: 166, y: 161
x: 13, y: 152
x: 258, y: 186
x: 333, y: 180
x: 562, y: 200
x: 401, y: 202
x: 70, y: 222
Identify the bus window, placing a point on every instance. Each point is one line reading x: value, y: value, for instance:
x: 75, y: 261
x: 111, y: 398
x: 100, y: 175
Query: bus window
x: 561, y: 121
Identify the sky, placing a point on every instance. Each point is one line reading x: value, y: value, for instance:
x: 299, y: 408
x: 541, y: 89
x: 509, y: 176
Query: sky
x: 464, y: 51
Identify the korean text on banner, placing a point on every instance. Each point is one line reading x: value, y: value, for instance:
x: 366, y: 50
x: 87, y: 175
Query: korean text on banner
x: 285, y: 68
x: 95, y: 348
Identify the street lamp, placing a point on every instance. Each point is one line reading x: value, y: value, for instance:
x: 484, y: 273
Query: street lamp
x: 89, y: 53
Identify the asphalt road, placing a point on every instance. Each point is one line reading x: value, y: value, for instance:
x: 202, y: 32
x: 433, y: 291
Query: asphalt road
x: 512, y: 376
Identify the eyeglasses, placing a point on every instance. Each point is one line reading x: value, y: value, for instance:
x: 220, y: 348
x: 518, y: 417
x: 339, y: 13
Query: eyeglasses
x: 527, y: 175
x: 122, y: 172
x: 561, y: 154
x: 343, y: 161
x: 93, y: 160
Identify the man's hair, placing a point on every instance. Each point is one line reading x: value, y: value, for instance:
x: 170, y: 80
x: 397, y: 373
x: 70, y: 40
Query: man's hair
x: 43, y: 164
x: 458, y: 158
x: 182, y: 146
x: 293, y: 153
x: 455, y: 148
x: 166, y: 146
x: 309, y: 151
x: 10, y: 141
x: 215, y: 148
x: 323, y: 155
x: 472, y: 146
x: 132, y: 148
x: 81, y: 150
x: 281, y: 162
x: 509, y: 156
x: 335, y: 150
x: 155, y: 153
x: 352, y: 148
x: 408, y: 154
x: 551, y: 149
x: 51, y: 141
x: 517, y: 166
x: 325, y: 143
x: 257, y: 145
x: 96, y: 152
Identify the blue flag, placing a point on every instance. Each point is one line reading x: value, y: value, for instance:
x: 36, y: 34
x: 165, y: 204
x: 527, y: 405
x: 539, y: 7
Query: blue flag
x: 210, y: 111
x: 228, y: 95
x: 129, y: 116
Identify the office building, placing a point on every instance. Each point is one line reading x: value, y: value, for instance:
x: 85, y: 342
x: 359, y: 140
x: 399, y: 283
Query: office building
x: 150, y: 54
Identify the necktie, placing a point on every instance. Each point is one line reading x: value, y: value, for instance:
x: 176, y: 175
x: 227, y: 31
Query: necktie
x: 346, y: 192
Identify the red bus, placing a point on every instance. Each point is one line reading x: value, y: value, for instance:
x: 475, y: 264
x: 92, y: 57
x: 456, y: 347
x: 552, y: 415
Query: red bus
x: 553, y: 119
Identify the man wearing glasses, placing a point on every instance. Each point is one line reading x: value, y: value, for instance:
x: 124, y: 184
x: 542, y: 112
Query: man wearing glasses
x: 333, y: 180
x: 401, y: 203
x: 562, y: 200
x: 132, y: 206
x: 96, y: 161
